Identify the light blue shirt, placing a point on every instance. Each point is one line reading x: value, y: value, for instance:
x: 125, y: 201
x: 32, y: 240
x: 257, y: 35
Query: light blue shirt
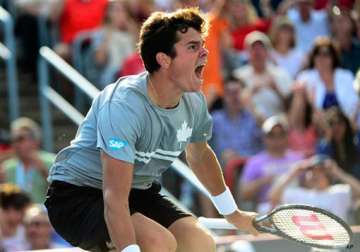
x: 124, y: 123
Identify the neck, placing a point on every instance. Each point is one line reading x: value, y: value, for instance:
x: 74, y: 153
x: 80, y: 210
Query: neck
x: 276, y: 153
x: 324, y: 71
x: 161, y: 92
x: 282, y: 48
x: 344, y: 41
x: 40, y: 245
x: 259, y: 67
x: 26, y: 161
x: 8, y: 230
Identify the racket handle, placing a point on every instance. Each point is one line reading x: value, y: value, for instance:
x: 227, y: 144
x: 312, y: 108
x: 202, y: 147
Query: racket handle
x: 216, y: 223
x: 263, y: 228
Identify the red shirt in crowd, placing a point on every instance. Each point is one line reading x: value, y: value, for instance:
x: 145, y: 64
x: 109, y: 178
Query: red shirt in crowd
x: 239, y: 34
x: 345, y: 4
x: 80, y: 15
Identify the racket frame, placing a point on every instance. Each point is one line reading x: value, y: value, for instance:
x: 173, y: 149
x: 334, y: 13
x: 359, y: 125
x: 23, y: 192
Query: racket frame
x: 276, y: 231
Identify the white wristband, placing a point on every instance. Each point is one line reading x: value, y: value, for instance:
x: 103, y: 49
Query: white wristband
x: 224, y: 202
x: 131, y: 248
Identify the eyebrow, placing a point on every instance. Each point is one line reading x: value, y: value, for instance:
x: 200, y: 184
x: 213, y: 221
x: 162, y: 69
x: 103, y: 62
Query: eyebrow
x: 195, y: 42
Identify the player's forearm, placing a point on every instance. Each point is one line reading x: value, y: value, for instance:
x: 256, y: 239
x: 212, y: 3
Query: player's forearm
x: 207, y: 169
x: 118, y: 221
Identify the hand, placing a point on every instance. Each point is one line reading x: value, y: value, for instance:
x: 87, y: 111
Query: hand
x: 272, y: 85
x: 299, y: 169
x: 228, y: 155
x: 2, y: 175
x: 243, y: 221
x: 35, y: 159
x: 37, y: 163
x: 333, y: 169
x: 257, y: 86
x: 299, y: 87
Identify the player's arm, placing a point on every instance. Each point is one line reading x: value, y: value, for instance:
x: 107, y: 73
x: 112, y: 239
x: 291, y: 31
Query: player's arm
x: 206, y: 167
x: 117, y: 179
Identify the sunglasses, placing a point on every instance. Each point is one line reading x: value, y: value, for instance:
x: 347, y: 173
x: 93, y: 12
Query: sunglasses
x: 37, y: 223
x: 277, y: 135
x: 20, y: 138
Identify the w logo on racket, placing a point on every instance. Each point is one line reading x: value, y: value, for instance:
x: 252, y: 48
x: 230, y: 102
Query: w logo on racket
x: 311, y: 227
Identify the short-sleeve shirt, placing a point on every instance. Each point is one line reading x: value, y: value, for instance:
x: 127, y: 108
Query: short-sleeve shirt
x: 30, y: 180
x: 263, y: 165
x: 125, y: 124
x: 336, y: 198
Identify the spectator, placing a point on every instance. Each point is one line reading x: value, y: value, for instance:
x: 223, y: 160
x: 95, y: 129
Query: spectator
x: 244, y: 20
x: 5, y: 145
x: 13, y: 202
x: 327, y: 84
x: 77, y: 16
x: 28, y: 13
x: 357, y: 23
x: 261, y: 170
x: 318, y: 189
x: 302, y: 132
x: 38, y: 230
x: 267, y: 85
x: 343, y: 33
x: 217, y: 42
x: 340, y: 142
x: 112, y: 43
x: 235, y: 131
x: 344, y: 4
x: 284, y: 53
x: 308, y: 23
x: 28, y: 169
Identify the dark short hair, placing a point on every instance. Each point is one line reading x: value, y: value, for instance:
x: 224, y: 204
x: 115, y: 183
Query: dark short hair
x: 324, y: 42
x: 233, y: 79
x: 12, y: 197
x: 159, y: 33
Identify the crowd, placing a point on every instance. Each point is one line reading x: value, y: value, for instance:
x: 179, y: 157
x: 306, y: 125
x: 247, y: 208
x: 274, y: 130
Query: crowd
x: 282, y: 83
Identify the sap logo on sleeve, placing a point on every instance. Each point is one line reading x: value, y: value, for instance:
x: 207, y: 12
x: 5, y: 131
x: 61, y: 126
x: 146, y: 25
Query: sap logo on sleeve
x: 117, y: 144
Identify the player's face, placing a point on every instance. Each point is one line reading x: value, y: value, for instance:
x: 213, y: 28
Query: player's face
x: 187, y: 67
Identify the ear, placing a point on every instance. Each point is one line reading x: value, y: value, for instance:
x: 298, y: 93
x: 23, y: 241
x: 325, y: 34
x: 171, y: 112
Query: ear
x: 163, y: 60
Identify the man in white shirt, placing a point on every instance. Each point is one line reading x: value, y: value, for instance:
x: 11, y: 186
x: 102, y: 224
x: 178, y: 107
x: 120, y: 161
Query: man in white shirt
x: 267, y: 84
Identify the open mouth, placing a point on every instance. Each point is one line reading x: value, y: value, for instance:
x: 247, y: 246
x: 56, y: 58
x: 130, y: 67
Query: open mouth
x: 199, y: 71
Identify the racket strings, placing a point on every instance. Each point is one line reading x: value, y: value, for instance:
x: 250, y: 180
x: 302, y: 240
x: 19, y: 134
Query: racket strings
x: 311, y: 227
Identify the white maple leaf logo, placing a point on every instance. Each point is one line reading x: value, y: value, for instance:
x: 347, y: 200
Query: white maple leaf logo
x: 184, y: 132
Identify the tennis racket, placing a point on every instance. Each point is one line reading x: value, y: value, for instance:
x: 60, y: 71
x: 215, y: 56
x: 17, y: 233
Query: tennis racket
x: 307, y: 225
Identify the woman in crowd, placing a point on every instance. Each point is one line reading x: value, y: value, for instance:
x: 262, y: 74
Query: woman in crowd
x: 327, y: 84
x: 302, y: 132
x: 340, y: 141
x: 315, y: 186
x: 284, y: 52
x: 113, y: 43
x: 13, y: 203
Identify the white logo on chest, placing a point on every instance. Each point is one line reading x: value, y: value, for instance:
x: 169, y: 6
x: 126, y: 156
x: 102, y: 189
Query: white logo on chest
x: 184, y: 132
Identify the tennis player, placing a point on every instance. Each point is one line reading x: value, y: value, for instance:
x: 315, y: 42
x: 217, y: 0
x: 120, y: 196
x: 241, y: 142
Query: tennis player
x: 104, y: 192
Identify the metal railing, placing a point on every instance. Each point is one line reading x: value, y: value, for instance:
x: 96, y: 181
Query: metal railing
x: 8, y: 54
x: 47, y: 94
